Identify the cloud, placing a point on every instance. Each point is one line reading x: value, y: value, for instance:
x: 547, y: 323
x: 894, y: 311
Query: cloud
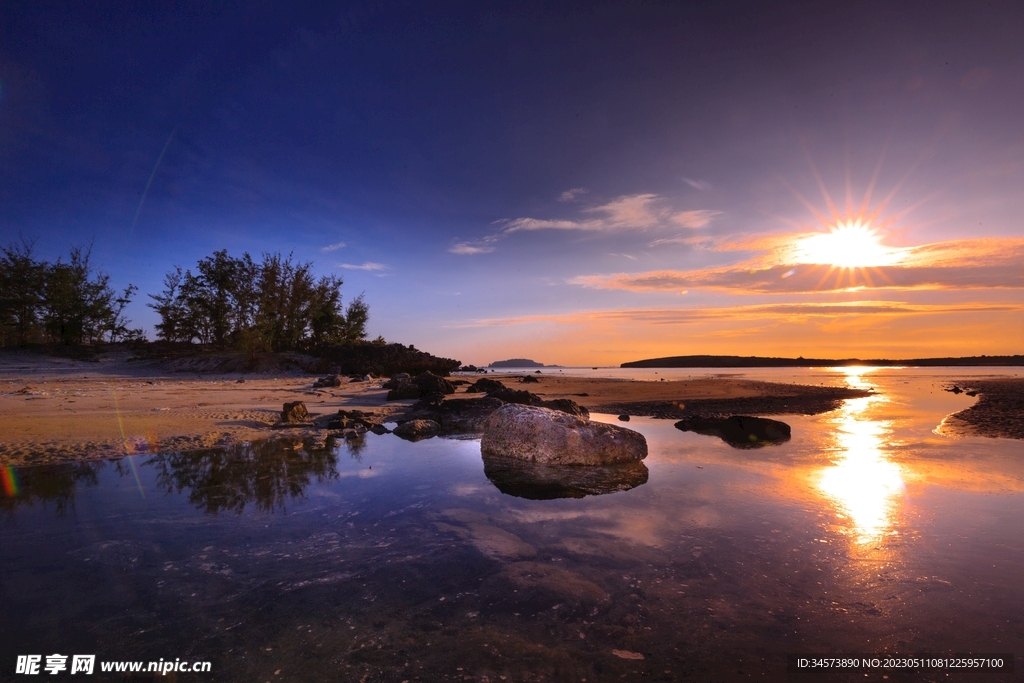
x: 571, y: 195
x: 369, y: 265
x: 333, y: 247
x: 701, y: 185
x: 466, y: 249
x: 985, y: 263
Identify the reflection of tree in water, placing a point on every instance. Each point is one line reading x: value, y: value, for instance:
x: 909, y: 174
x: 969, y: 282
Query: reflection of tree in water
x: 46, y: 484
x: 356, y: 446
x: 264, y: 473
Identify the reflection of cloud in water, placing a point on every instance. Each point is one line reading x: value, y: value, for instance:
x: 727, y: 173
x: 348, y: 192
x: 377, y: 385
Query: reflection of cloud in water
x: 863, y: 483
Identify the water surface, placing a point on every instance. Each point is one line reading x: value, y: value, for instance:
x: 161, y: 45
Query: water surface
x: 384, y: 560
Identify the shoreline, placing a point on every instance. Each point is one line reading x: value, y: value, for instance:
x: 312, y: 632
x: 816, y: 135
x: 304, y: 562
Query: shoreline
x: 61, y: 410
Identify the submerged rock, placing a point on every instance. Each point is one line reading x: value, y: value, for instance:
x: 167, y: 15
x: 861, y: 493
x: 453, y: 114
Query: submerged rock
x: 414, y: 430
x: 514, y: 477
x: 546, y: 436
x: 739, y: 431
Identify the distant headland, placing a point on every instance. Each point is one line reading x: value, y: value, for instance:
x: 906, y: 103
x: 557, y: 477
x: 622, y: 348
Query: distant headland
x: 801, y: 362
x: 520, y: 363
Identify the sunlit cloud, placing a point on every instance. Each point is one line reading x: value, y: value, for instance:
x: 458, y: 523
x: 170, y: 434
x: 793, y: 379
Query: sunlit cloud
x: 637, y: 212
x: 369, y: 265
x: 988, y: 263
x: 701, y: 185
x: 631, y: 212
x: 783, y: 312
x: 333, y: 247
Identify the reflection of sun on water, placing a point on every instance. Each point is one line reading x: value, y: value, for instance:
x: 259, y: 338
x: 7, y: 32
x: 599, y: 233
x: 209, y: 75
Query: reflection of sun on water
x: 862, y: 483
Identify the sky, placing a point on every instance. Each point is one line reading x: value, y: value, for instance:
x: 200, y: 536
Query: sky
x: 581, y: 184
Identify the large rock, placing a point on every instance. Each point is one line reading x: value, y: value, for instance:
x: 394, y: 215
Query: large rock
x: 429, y: 383
x: 295, y: 412
x: 739, y: 431
x: 414, y: 430
x: 541, y: 435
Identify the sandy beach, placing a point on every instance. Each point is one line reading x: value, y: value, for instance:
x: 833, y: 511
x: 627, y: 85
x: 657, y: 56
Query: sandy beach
x: 56, y: 409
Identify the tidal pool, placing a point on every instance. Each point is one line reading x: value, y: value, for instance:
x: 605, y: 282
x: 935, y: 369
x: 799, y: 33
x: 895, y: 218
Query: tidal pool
x: 383, y: 560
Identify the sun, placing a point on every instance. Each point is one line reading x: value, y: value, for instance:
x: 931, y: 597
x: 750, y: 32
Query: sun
x: 851, y: 243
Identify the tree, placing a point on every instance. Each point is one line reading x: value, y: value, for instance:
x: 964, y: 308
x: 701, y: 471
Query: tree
x: 80, y: 306
x: 22, y: 283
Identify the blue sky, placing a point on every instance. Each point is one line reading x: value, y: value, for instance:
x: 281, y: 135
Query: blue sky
x: 502, y: 177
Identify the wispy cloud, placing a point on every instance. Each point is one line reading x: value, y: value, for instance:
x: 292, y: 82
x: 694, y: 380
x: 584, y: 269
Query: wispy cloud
x: 333, y: 247
x: 571, y: 195
x: 369, y: 265
x: 466, y: 249
x: 988, y: 263
x: 701, y: 185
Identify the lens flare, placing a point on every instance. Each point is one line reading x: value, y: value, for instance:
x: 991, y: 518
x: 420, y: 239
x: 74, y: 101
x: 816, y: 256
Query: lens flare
x: 9, y: 477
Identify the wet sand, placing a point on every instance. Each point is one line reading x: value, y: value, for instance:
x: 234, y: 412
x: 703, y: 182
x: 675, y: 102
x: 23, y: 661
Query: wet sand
x: 999, y: 412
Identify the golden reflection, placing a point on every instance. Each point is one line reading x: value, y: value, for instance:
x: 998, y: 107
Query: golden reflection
x: 862, y: 483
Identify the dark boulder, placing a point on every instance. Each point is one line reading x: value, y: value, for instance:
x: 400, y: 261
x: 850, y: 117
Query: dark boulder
x: 739, y: 431
x: 519, y: 396
x: 529, y: 379
x: 484, y: 385
x: 457, y: 416
x: 567, y: 405
x: 624, y: 418
x: 415, y: 430
x: 328, y: 381
x: 428, y: 382
x: 403, y: 390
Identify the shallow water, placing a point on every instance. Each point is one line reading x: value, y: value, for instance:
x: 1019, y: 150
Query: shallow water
x: 385, y: 560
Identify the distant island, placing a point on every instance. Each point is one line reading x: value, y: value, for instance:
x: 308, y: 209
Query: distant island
x: 520, y: 363
x: 801, y: 362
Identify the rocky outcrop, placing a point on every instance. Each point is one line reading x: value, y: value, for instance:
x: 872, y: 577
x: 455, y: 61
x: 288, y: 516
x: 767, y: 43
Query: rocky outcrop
x: 544, y: 436
x: 739, y: 431
x: 415, y: 430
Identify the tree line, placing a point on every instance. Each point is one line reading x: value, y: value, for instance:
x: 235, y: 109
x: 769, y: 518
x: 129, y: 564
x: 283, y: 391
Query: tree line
x: 65, y: 302
x: 274, y: 304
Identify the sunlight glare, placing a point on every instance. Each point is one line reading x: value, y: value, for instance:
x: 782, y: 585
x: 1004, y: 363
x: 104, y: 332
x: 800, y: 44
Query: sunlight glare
x: 849, y: 244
